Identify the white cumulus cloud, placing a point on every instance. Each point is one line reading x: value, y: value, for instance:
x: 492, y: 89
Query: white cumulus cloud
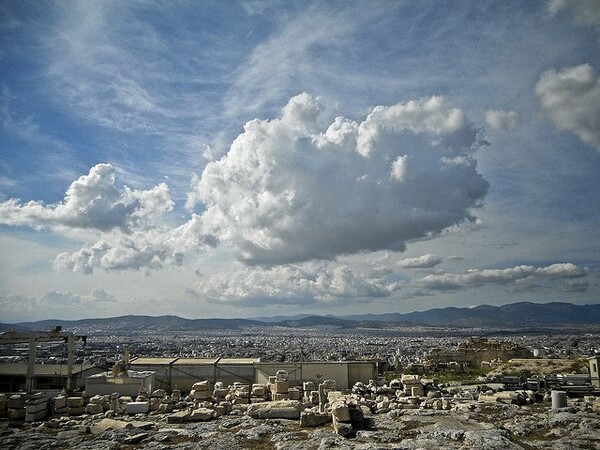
x: 142, y: 250
x: 571, y: 98
x: 92, y: 202
x: 289, y: 190
x: 293, y: 284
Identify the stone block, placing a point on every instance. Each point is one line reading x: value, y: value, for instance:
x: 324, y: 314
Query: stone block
x: 166, y: 407
x: 16, y: 402
x: 281, y: 375
x: 75, y: 402
x: 417, y: 391
x: 94, y: 408
x: 259, y: 390
x: 202, y: 414
x: 311, y: 419
x: 76, y: 411
x: 408, y: 378
x: 136, y: 407
x: 285, y: 396
x: 294, y: 394
x: 333, y: 396
x: 284, y: 409
x: 160, y: 393
x: 200, y: 395
x: 242, y: 388
x: 340, y: 411
x: 202, y: 386
x: 281, y: 387
x: 220, y: 393
x: 179, y: 417
x: 36, y: 416
x: 97, y: 399
x: 36, y: 406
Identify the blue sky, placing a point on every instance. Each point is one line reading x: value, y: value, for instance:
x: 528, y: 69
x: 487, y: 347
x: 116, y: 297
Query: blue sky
x: 250, y: 158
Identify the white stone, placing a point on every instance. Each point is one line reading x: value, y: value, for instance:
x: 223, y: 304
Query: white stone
x: 202, y: 386
x: 136, y: 407
x: 202, y: 414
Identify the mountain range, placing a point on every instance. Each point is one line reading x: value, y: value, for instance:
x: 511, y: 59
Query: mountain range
x: 514, y: 315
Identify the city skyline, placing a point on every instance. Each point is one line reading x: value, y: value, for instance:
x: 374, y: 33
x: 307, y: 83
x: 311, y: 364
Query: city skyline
x: 276, y: 158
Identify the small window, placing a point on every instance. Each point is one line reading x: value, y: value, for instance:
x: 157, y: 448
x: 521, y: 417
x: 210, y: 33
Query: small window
x: 595, y: 368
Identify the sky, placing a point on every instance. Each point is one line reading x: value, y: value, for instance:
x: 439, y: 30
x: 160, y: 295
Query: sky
x: 260, y: 158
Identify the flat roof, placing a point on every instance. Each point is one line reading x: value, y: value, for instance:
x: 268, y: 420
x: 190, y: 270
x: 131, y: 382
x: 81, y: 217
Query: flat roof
x: 195, y: 361
x: 43, y: 369
x: 152, y: 361
x: 192, y: 361
x: 224, y: 361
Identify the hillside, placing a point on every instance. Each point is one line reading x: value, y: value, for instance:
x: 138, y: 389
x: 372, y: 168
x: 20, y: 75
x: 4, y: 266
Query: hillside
x: 515, y: 315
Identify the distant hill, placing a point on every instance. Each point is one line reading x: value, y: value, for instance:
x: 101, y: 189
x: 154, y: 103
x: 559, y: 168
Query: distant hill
x: 138, y: 323
x: 514, y: 315
x: 312, y: 321
x: 511, y: 315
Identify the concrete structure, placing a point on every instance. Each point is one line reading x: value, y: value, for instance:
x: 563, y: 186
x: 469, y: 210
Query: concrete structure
x: 182, y: 373
x: 594, y: 362
x: 46, y: 377
x: 345, y: 373
x: 125, y: 384
x: 33, y: 338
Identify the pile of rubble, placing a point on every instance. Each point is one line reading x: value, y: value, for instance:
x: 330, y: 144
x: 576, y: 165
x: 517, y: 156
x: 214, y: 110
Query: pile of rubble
x: 348, y: 414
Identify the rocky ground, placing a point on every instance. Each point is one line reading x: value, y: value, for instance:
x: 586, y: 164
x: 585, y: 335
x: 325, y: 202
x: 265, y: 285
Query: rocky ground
x: 474, y: 425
